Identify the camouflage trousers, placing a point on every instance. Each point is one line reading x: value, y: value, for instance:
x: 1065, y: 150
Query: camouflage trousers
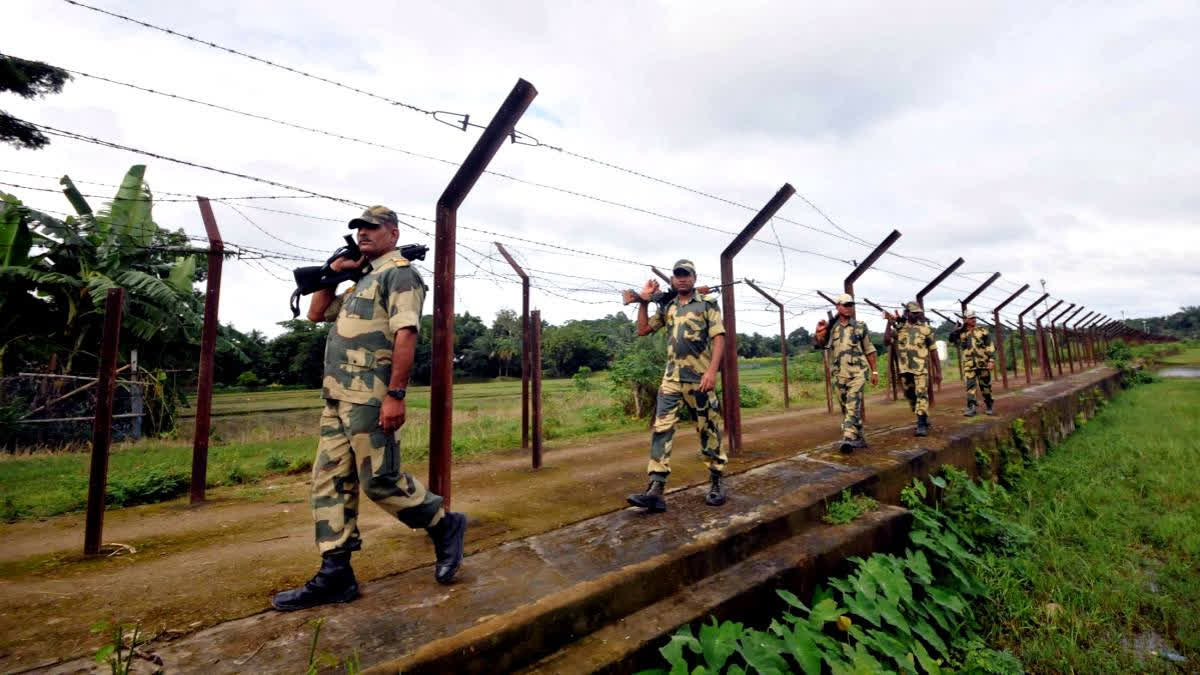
x: 672, y: 395
x: 916, y: 390
x: 850, y: 395
x: 978, y: 379
x: 354, y: 448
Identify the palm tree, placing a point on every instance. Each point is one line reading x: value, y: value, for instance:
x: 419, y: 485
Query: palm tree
x: 505, y: 349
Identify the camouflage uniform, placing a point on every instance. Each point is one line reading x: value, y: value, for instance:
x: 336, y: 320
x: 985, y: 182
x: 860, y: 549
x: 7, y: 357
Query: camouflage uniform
x: 848, y: 345
x: 913, y: 342
x: 691, y: 326
x: 977, y: 352
x: 358, y: 367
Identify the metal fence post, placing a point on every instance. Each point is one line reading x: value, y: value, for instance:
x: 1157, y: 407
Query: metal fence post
x: 1000, y: 336
x: 535, y: 339
x: 893, y: 371
x: 782, y: 339
x: 441, y: 385
x: 1024, y: 343
x: 525, y: 360
x: 921, y: 301
x: 1043, y: 348
x: 733, y: 408
x: 848, y: 283
x: 208, y: 347
x: 1056, y: 334
x: 106, y: 377
x: 825, y: 355
x: 1068, y: 336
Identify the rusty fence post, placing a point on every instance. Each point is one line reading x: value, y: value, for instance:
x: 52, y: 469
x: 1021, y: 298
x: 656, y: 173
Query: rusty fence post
x: 1024, y: 343
x: 1056, y: 336
x: 921, y: 301
x: 1081, y: 340
x: 114, y: 302
x: 535, y: 339
x: 1068, y: 337
x: 782, y: 339
x: 208, y: 347
x: 825, y: 354
x: 441, y: 385
x: 893, y: 371
x: 1012, y: 347
x: 1043, y: 348
x: 731, y: 391
x: 1000, y: 336
x: 525, y: 360
x: 848, y: 283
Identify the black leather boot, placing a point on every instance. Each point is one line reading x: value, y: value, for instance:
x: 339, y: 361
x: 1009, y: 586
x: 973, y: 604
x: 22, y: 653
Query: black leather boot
x: 988, y: 402
x: 971, y: 411
x: 448, y: 537
x: 716, y: 491
x: 334, y: 582
x: 651, y: 499
x: 922, y: 426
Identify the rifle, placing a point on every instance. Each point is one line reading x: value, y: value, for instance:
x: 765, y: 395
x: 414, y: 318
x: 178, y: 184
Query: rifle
x: 316, y: 277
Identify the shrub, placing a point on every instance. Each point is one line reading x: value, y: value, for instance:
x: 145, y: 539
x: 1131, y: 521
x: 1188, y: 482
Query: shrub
x: 277, y: 462
x: 147, y: 488
x: 752, y: 397
x: 582, y: 379
x: 249, y: 380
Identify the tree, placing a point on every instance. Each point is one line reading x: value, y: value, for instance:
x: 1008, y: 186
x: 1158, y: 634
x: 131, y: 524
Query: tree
x: 799, y: 338
x: 27, y: 79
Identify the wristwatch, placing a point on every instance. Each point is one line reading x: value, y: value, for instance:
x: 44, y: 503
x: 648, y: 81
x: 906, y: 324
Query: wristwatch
x: 397, y: 394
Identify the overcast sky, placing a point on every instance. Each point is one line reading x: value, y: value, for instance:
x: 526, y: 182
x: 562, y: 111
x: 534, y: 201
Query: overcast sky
x: 1046, y: 143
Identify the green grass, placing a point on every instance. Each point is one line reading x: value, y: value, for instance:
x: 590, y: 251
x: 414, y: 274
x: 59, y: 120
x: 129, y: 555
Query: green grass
x: 1116, y: 514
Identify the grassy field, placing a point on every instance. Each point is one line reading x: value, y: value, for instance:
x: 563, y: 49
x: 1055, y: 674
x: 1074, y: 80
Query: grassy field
x: 1112, y: 573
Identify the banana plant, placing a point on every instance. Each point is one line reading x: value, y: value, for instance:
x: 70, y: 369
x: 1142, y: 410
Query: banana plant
x: 71, y: 264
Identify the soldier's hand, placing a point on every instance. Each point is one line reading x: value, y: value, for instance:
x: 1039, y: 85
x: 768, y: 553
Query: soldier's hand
x: 937, y: 379
x: 342, y: 264
x: 874, y: 378
x: 392, y: 414
x: 649, y: 290
x: 628, y: 296
x: 703, y: 290
x: 708, y: 381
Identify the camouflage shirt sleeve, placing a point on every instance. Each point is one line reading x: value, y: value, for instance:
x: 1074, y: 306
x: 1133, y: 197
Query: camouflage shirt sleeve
x: 712, y: 313
x: 405, y: 296
x: 868, y: 346
x: 928, y: 333
x: 989, y: 348
x: 659, y: 319
x: 335, y: 307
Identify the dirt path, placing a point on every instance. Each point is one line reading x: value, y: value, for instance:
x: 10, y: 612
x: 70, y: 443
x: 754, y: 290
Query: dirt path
x: 198, y: 566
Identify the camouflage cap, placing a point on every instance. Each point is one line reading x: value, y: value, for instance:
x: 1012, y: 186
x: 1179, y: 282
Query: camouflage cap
x: 685, y: 264
x: 376, y: 215
x: 913, y: 307
x: 970, y: 314
x: 845, y: 299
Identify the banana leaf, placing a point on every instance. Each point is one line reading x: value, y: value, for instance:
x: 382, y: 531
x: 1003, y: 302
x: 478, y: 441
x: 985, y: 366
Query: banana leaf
x: 15, y: 238
x: 183, y: 273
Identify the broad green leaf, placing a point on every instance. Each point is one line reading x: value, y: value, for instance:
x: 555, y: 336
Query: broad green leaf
x: 673, y: 650
x: 927, y: 662
x: 718, y: 643
x: 182, y: 274
x: 104, y: 652
x: 791, y: 599
x: 938, y: 481
x: 918, y: 564
x: 823, y: 612
x: 950, y: 600
x: 803, y: 648
x: 863, y: 607
x: 77, y: 201
x: 931, y: 636
x: 934, y: 610
x: 864, y: 584
x: 15, y: 238
x: 893, y: 648
x: 129, y: 213
x: 891, y: 613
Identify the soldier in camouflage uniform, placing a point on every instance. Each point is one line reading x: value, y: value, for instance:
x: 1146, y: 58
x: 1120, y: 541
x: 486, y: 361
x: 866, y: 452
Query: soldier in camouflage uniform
x: 368, y: 358
x: 695, y: 342
x: 851, y: 355
x: 977, y: 354
x: 914, y: 346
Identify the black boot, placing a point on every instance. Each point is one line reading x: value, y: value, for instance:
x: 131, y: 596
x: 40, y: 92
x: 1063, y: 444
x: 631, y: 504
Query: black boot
x: 448, y: 536
x: 922, y: 426
x: 971, y: 412
x: 716, y: 491
x: 988, y: 402
x: 651, y: 499
x: 334, y: 582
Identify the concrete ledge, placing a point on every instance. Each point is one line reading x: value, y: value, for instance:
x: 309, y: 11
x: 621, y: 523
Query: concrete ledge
x: 526, y: 599
x: 745, y: 589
